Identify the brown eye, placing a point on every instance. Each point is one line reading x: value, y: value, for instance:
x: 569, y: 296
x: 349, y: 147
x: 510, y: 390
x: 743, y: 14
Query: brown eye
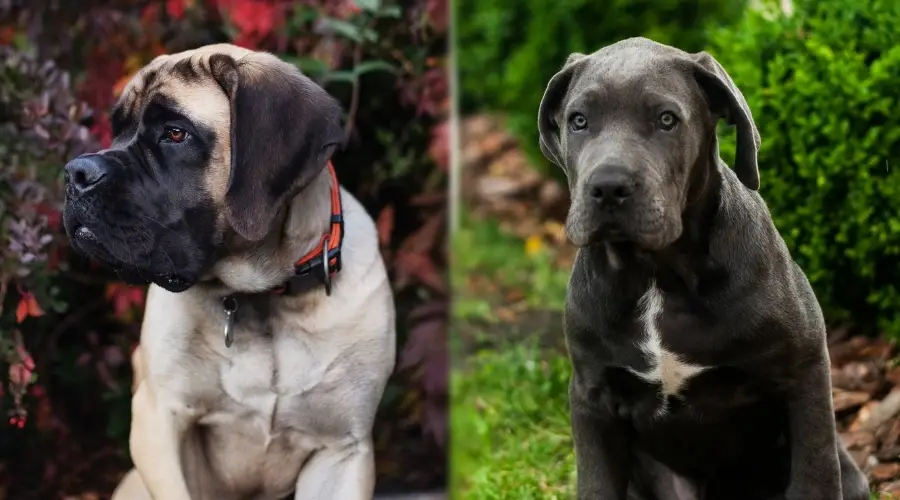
x: 175, y: 134
x: 667, y: 121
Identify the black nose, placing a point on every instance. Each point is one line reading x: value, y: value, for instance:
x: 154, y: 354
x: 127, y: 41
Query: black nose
x: 85, y: 173
x: 611, y: 186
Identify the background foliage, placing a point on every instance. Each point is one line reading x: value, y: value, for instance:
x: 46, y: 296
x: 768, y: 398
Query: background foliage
x: 822, y: 84
x: 67, y: 328
x: 508, y: 51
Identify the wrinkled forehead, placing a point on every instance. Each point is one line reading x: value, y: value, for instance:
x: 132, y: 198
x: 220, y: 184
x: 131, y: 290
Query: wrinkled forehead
x: 629, y: 75
x: 182, y: 83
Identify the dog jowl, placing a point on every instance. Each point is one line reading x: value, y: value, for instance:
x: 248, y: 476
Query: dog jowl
x: 175, y: 185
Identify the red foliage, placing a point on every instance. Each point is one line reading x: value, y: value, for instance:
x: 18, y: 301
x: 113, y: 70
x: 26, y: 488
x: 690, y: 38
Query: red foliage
x: 124, y: 298
x: 254, y: 20
x: 122, y: 37
x: 28, y: 306
x: 439, y: 147
x: 175, y: 8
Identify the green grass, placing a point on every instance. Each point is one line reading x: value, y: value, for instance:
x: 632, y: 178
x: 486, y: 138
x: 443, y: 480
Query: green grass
x: 482, y: 251
x: 510, y: 437
x: 510, y: 428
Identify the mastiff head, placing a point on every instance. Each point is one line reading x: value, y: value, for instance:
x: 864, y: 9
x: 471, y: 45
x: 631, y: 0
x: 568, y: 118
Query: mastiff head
x: 634, y: 127
x: 209, y: 146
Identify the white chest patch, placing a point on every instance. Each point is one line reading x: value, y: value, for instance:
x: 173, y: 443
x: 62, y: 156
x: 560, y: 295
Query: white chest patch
x: 666, y: 367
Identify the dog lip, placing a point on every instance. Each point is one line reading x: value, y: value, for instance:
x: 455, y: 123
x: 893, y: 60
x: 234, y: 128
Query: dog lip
x: 173, y: 282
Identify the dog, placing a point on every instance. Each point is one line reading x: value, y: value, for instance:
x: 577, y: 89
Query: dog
x: 269, y: 328
x: 700, y: 364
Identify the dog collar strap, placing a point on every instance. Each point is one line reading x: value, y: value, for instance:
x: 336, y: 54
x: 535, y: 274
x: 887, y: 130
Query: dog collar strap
x: 323, y: 261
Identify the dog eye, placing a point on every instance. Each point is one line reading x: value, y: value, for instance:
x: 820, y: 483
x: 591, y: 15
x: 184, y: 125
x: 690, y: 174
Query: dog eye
x: 578, y: 122
x: 667, y: 121
x: 175, y: 134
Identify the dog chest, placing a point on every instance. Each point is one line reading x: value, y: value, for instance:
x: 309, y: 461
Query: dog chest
x: 670, y: 370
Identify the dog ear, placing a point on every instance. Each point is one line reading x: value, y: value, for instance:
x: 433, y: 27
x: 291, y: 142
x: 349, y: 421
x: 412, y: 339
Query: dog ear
x: 548, y: 121
x: 284, y: 129
x: 728, y: 102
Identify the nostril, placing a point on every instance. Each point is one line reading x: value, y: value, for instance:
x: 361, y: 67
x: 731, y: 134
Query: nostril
x: 85, y: 172
x: 81, y: 179
x: 611, y: 185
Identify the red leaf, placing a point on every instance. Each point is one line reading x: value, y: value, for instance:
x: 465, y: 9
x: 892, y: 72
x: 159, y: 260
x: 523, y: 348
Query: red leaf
x: 176, y: 8
x: 124, y: 297
x: 7, y: 35
x: 28, y: 306
x: 385, y: 225
x: 21, y: 310
x: 439, y: 147
x: 425, y: 238
x: 254, y: 20
x: 422, y: 268
x: 34, y: 309
x: 150, y: 14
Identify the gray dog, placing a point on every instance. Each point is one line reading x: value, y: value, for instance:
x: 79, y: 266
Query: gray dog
x: 700, y: 362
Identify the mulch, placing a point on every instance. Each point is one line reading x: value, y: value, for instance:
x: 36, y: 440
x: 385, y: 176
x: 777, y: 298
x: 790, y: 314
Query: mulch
x: 497, y: 181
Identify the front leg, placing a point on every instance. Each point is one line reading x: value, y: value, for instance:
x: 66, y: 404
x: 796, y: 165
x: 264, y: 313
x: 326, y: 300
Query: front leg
x: 345, y: 470
x: 602, y: 448
x: 815, y: 469
x: 157, y: 433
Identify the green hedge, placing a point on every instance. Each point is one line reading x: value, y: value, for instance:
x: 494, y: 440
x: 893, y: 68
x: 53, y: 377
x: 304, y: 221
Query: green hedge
x: 824, y: 87
x: 508, y: 50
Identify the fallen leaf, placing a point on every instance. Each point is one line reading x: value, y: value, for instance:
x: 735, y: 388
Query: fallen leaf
x: 858, y: 439
x: 885, y: 472
x: 845, y: 400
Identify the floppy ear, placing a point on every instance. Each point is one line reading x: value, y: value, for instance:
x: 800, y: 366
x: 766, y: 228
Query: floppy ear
x: 548, y: 121
x: 728, y: 102
x: 284, y: 129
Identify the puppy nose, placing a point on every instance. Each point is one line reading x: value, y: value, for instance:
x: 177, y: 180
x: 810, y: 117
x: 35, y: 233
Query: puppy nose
x: 611, y: 186
x: 85, y: 173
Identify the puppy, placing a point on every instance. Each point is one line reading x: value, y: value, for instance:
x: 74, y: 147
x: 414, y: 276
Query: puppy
x: 268, y: 334
x: 700, y: 362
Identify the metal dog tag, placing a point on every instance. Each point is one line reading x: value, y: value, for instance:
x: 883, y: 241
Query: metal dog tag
x: 230, y: 305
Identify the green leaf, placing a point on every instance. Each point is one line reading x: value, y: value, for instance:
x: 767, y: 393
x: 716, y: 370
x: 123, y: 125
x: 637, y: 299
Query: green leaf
x: 339, y: 76
x: 349, y: 30
x: 370, y: 66
x: 308, y: 65
x: 389, y: 11
x: 369, y: 5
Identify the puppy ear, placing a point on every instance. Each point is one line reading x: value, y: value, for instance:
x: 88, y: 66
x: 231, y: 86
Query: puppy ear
x: 573, y: 57
x: 284, y: 129
x: 728, y: 102
x: 548, y: 119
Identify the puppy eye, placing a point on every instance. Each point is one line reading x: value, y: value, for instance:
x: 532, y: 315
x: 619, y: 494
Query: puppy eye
x: 175, y: 134
x: 578, y: 122
x: 667, y: 121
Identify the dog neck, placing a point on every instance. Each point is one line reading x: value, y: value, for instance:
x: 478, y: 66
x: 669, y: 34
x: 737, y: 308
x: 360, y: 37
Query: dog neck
x: 261, y: 266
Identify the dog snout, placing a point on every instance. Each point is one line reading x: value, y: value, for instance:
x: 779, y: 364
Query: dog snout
x: 611, y: 186
x: 85, y: 173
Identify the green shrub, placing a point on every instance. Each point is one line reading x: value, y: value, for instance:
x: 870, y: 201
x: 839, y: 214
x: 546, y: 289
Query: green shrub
x: 824, y: 87
x: 508, y: 51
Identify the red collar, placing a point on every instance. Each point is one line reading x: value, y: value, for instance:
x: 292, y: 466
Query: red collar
x: 323, y: 261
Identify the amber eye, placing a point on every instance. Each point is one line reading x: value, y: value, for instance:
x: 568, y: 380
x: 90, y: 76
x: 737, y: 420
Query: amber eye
x: 175, y: 134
